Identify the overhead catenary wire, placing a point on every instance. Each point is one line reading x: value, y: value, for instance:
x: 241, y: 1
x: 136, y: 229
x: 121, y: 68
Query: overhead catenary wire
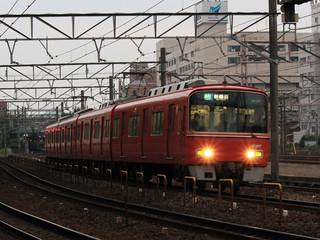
x: 116, y: 72
x: 27, y: 8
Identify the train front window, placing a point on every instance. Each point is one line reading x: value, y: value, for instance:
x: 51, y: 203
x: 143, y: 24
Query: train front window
x: 228, y: 111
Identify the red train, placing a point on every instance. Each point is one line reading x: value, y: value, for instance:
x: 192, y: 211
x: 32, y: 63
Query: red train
x: 209, y: 131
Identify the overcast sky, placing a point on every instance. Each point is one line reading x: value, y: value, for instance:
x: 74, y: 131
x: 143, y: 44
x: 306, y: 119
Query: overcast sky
x: 122, y: 6
x: 85, y: 6
x: 33, y: 52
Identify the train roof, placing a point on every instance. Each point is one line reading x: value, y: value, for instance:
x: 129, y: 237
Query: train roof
x: 175, y: 90
x: 180, y: 85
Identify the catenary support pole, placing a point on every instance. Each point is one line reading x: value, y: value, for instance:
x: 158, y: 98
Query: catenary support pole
x: 274, y: 91
x: 163, y: 66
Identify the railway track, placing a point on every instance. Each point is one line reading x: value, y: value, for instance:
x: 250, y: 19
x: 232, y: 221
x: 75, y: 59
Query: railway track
x: 306, y: 182
x: 11, y: 232
x: 182, y: 220
x: 54, y: 229
x: 299, y: 159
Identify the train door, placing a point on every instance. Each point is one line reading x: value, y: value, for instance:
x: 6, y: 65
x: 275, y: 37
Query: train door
x: 123, y: 133
x: 91, y: 135
x: 81, y: 138
x: 65, y: 140
x: 71, y: 140
x: 171, y: 136
x: 144, y: 133
x: 101, y: 136
x: 74, y: 139
x: 60, y: 142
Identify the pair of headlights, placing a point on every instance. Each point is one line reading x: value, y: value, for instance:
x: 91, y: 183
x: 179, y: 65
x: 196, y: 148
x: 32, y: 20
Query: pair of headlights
x: 209, y: 153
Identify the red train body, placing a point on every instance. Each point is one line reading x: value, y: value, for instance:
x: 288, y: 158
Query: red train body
x: 157, y: 134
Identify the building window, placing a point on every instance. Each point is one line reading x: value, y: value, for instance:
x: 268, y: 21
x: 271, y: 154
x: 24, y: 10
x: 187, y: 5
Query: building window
x: 294, y: 59
x: 313, y: 129
x: 157, y: 123
x: 86, y: 131
x: 281, y: 48
x: 107, y: 128
x: 293, y: 48
x: 96, y: 130
x: 259, y: 48
x: 134, y: 126
x: 234, y: 48
x: 256, y: 58
x: 233, y: 60
x: 304, y: 126
x: 116, y: 124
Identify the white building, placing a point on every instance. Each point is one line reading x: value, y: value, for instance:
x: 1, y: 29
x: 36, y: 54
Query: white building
x: 224, y: 59
x: 310, y: 82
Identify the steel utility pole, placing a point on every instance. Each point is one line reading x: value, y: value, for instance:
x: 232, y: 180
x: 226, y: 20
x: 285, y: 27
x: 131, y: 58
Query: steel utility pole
x: 274, y: 91
x: 163, y: 66
x: 111, y: 88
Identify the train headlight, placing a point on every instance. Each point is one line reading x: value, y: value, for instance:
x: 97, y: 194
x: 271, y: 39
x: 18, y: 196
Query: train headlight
x: 204, y: 152
x: 250, y: 154
x: 255, y: 154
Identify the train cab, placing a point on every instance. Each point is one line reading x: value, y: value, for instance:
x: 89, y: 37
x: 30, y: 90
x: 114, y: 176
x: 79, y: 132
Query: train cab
x: 228, y: 134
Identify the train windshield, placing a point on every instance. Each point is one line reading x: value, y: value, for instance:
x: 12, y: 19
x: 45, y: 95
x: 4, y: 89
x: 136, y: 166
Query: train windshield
x: 228, y: 111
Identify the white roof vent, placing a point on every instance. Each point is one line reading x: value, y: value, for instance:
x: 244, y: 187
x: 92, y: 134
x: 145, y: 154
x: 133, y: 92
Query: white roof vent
x: 180, y: 85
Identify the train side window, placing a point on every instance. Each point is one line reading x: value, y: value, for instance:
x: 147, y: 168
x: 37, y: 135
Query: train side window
x: 69, y: 134
x: 134, y: 126
x: 62, y: 135
x: 78, y: 133
x: 57, y: 136
x: 116, y: 125
x: 96, y: 129
x: 86, y: 131
x: 102, y: 127
x: 74, y: 134
x: 157, y: 123
x: 107, y: 133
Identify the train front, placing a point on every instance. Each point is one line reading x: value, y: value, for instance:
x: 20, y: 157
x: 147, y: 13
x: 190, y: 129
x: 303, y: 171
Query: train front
x: 228, y: 135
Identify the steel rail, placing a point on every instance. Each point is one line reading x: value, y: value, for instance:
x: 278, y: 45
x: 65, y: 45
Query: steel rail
x: 53, y: 227
x: 300, y: 159
x: 16, y: 232
x: 203, y: 224
x: 295, y: 180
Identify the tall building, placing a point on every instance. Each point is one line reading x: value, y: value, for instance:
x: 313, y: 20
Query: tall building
x: 227, y: 60
x: 222, y: 58
x: 309, y: 97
